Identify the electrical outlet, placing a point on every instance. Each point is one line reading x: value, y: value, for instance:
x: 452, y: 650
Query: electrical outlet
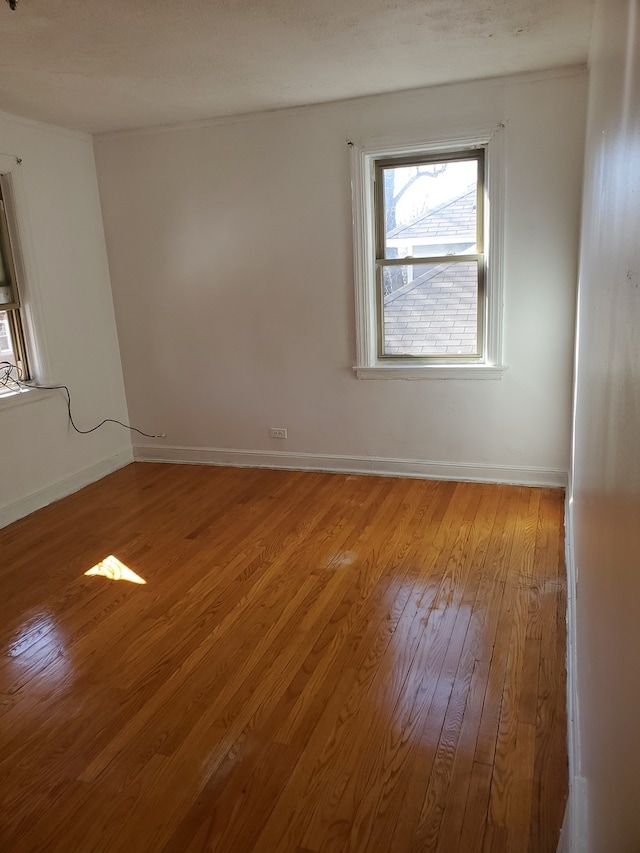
x: 277, y: 432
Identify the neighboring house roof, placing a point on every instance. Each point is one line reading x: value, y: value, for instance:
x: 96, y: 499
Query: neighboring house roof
x: 436, y: 312
x: 453, y: 218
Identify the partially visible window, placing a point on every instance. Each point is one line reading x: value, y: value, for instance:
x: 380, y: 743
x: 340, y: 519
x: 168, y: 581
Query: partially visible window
x: 428, y: 257
x: 13, y: 348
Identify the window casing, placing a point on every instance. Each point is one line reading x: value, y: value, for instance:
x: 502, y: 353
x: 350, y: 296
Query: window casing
x: 470, y: 262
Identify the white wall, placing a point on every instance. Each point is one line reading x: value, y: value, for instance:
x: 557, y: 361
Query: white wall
x: 41, y: 458
x: 606, y: 464
x: 230, y: 249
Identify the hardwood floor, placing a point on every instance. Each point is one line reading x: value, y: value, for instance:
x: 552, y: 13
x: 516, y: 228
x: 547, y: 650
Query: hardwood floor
x: 316, y: 662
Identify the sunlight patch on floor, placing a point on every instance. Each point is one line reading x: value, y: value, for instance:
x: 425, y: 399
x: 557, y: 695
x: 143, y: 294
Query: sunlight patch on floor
x: 114, y: 570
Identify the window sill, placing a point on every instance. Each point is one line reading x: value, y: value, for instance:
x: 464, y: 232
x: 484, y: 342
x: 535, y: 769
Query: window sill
x: 435, y: 371
x: 20, y: 398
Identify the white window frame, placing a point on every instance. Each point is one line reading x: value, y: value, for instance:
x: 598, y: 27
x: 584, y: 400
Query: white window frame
x: 364, y: 155
x: 15, y: 200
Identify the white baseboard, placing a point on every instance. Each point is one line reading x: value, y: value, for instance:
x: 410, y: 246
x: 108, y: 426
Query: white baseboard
x: 63, y: 487
x: 573, y: 838
x: 352, y: 465
x: 574, y: 831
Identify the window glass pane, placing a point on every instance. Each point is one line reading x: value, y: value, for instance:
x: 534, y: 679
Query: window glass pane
x: 6, y: 347
x: 5, y: 281
x: 7, y: 294
x: 7, y: 383
x: 432, y: 309
x: 430, y: 209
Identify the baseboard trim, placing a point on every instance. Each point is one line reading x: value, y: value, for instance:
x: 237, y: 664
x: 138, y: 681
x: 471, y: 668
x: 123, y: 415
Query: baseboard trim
x: 573, y: 838
x: 63, y: 487
x: 574, y: 831
x: 351, y: 464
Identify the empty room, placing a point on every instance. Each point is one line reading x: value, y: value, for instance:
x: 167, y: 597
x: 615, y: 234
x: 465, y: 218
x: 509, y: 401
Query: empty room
x: 319, y: 407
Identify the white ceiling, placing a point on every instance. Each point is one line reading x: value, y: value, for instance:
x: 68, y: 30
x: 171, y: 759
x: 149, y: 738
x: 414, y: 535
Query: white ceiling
x: 104, y: 65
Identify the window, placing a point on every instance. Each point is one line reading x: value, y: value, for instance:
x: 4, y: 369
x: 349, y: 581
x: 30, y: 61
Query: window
x: 428, y: 258
x: 13, y: 347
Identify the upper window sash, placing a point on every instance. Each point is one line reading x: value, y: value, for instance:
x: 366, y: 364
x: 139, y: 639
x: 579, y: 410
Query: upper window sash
x: 383, y: 165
